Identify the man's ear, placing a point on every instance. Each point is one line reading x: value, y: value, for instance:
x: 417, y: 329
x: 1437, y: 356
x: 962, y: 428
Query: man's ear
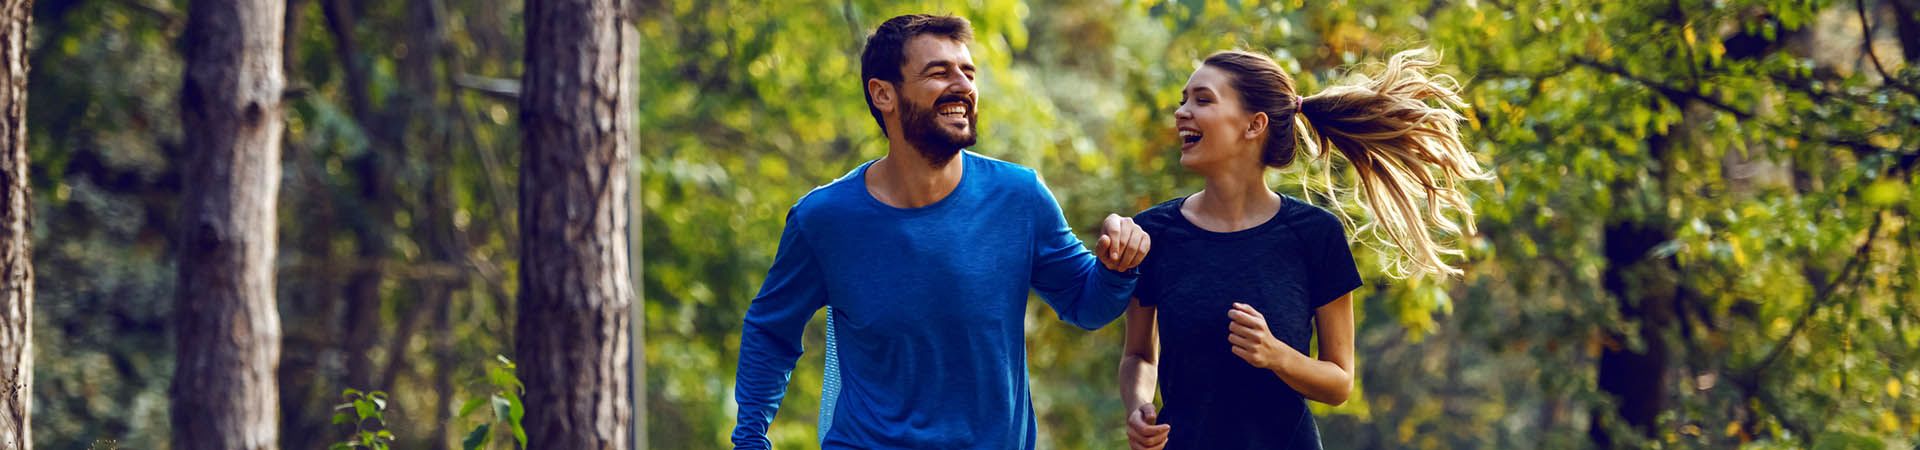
x: 1258, y: 126
x: 883, y: 95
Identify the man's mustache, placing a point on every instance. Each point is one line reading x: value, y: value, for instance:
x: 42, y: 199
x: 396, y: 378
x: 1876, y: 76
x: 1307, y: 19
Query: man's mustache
x: 954, y: 98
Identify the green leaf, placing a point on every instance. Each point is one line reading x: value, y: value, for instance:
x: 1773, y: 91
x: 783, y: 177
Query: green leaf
x: 364, y: 409
x: 476, y: 439
x: 518, y: 410
x: 341, y: 418
x: 471, y: 405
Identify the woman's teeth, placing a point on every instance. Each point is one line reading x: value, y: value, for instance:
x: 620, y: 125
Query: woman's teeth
x: 1189, y: 136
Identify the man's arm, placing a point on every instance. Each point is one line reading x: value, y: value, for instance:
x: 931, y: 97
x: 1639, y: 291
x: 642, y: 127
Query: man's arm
x: 1079, y: 285
x: 770, y: 337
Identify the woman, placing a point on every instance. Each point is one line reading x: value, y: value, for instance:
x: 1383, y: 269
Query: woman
x: 1240, y: 276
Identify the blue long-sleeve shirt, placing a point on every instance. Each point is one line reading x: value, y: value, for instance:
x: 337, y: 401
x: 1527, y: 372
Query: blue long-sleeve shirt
x: 927, y: 309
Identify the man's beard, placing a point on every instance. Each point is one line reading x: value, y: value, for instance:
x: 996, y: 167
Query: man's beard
x: 936, y: 143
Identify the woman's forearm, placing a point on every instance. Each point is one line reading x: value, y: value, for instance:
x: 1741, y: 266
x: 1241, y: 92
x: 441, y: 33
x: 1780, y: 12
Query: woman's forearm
x: 1138, y: 379
x: 1318, y: 380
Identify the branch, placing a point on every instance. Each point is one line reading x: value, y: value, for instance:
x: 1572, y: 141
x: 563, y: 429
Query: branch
x: 503, y: 89
x: 1665, y: 89
x: 1866, y: 44
x: 1820, y: 298
x: 1859, y: 146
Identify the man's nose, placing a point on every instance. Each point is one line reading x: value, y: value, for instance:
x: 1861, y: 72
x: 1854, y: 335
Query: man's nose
x: 964, y: 86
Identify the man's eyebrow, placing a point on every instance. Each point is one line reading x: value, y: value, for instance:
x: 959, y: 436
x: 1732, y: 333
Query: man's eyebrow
x: 933, y: 64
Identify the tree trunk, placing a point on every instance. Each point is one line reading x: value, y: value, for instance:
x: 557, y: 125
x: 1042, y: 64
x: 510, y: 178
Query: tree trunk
x: 372, y: 215
x: 16, y: 243
x: 227, y: 328
x: 1906, y: 20
x: 572, y: 327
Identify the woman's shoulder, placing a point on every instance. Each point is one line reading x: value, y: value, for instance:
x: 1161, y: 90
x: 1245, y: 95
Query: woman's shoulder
x: 1159, y: 216
x: 1305, y: 215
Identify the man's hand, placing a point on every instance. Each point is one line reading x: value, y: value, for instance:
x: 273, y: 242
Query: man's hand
x: 1142, y: 433
x: 1122, y: 244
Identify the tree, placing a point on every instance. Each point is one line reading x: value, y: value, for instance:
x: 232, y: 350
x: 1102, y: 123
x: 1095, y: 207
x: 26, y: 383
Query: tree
x: 572, y: 330
x: 16, y: 248
x: 228, y: 330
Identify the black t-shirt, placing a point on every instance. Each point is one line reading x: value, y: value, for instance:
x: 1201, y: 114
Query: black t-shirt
x: 1286, y: 268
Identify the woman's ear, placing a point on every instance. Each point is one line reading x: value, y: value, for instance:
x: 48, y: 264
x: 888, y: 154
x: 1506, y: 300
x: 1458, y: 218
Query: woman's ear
x: 883, y: 95
x: 1258, y: 126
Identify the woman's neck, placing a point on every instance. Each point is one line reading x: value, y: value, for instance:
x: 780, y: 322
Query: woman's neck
x: 1233, y: 201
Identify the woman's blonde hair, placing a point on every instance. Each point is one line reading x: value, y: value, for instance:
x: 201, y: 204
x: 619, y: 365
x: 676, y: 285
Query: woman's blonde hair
x: 1406, y: 149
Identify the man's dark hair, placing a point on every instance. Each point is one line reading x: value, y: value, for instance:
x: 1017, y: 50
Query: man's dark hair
x: 886, y: 49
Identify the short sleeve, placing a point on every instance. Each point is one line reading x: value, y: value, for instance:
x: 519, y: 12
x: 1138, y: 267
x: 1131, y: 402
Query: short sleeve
x: 1149, y: 283
x: 1334, y: 271
x: 1148, y: 288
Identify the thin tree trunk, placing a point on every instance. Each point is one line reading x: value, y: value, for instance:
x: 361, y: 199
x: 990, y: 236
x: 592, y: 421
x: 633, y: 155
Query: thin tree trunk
x: 637, y: 246
x: 572, y: 328
x: 372, y: 221
x: 227, y: 328
x: 16, y: 240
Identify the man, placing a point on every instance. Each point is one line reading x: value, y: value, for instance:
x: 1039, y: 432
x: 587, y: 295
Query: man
x: 925, y: 258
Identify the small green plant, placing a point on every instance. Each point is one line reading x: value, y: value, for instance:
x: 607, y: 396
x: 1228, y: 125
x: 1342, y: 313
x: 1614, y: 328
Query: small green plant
x: 363, y: 410
x: 507, y: 409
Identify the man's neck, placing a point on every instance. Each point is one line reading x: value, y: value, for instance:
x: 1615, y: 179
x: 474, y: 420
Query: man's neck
x: 906, y: 179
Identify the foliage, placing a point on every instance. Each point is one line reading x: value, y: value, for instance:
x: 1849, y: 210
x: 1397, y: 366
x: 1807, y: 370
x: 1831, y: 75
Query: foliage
x: 506, y: 409
x: 1728, y: 186
x: 366, y: 412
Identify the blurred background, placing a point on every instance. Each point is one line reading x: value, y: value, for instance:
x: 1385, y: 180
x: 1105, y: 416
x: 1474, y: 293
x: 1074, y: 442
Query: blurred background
x: 1701, y: 235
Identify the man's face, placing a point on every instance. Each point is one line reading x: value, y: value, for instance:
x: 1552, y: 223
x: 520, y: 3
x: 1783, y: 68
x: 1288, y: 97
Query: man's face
x: 937, y: 97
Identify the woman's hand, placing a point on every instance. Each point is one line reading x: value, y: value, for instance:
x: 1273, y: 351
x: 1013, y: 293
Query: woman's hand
x: 1253, y: 342
x: 1142, y: 433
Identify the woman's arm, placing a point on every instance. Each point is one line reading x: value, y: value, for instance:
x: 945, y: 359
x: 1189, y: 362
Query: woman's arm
x: 1326, y: 380
x: 1139, y: 376
x: 1139, y: 362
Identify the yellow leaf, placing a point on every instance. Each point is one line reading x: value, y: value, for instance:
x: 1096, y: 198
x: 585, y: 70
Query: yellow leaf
x: 1733, y: 429
x: 1885, y: 193
x: 1893, y: 388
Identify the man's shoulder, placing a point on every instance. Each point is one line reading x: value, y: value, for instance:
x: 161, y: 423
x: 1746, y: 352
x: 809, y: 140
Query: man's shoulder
x: 1002, y: 171
x: 838, y: 194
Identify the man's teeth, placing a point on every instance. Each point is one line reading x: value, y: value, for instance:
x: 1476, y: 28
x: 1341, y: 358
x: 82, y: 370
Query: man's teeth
x: 954, y: 110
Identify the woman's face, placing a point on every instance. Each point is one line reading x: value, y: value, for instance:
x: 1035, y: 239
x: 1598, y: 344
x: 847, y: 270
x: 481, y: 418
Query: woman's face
x: 1213, y: 124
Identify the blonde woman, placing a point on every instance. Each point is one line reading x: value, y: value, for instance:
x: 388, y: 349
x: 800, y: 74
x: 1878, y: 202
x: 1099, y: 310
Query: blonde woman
x: 1242, y: 277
